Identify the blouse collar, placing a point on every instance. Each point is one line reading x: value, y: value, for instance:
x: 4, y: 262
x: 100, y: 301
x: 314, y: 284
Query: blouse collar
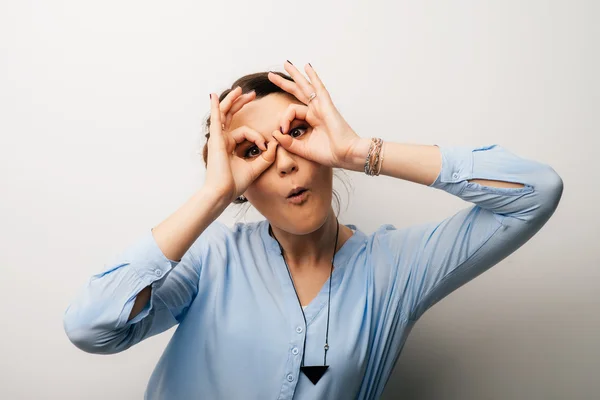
x: 357, y: 238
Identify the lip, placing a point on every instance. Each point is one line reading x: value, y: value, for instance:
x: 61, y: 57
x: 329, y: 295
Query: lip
x: 299, y: 198
x: 295, y: 190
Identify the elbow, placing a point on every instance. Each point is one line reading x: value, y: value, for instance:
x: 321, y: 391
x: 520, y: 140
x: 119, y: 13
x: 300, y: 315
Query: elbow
x: 79, y: 335
x: 81, y: 338
x: 549, y: 187
x: 87, y: 337
x: 554, y: 188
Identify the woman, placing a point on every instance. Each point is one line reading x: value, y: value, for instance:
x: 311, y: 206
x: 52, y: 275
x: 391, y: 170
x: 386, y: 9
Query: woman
x: 298, y: 305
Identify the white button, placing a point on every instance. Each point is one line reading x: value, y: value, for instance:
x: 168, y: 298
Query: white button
x: 158, y: 272
x: 290, y: 377
x: 299, y: 329
x: 295, y: 351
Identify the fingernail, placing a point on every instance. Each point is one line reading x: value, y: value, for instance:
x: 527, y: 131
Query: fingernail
x: 281, y: 130
x: 310, y: 65
x: 289, y: 62
x: 210, y: 96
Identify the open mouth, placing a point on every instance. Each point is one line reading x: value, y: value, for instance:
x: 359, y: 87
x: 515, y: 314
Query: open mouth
x: 297, y: 193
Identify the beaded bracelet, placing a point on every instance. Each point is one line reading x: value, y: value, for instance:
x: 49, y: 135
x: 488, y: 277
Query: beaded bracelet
x: 371, y: 155
x: 373, y: 163
x: 381, y: 162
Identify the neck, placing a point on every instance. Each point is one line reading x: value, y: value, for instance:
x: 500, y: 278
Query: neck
x: 315, y: 248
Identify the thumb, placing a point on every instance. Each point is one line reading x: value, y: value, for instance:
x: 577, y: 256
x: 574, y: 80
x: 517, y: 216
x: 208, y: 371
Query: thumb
x: 264, y: 161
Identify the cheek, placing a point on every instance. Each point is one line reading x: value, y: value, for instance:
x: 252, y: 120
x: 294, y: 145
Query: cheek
x: 262, y: 188
x: 325, y: 177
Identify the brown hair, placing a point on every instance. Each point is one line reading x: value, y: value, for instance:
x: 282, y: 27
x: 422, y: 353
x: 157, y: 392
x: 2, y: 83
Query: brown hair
x: 260, y: 83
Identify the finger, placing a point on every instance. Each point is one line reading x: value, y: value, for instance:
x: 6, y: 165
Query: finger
x: 294, y: 146
x: 300, y: 79
x: 238, y: 104
x: 244, y: 133
x: 260, y: 163
x: 215, y: 116
x: 288, y: 86
x: 314, y: 79
x: 293, y: 111
x: 229, y: 99
x: 216, y: 144
x: 227, y: 102
x: 266, y: 158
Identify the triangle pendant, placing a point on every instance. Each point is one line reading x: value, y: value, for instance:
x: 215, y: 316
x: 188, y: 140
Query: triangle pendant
x: 314, y: 372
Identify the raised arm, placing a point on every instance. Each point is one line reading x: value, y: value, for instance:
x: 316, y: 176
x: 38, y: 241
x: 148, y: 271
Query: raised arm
x: 512, y: 199
x: 149, y: 287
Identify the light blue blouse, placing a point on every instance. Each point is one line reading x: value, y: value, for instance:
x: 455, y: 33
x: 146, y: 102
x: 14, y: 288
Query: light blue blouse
x: 241, y: 331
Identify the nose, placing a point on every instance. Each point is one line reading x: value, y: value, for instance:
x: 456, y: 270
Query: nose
x: 285, y: 161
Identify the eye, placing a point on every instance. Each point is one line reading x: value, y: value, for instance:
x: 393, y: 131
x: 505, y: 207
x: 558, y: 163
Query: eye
x: 298, y: 131
x: 252, y: 151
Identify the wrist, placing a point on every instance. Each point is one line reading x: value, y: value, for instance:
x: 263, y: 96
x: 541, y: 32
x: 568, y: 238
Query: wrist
x: 357, y: 154
x: 215, y: 197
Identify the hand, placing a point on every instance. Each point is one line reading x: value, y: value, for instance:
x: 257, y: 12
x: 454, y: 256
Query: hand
x: 227, y: 173
x: 332, y: 141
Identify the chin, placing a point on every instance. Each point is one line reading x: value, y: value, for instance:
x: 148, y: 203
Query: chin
x: 298, y: 218
x: 302, y: 221
x: 303, y: 226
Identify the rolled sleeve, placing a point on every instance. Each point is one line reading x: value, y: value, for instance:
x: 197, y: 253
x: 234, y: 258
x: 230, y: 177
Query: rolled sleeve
x: 457, y: 166
x: 455, y: 250
x: 148, y: 261
x: 97, y: 319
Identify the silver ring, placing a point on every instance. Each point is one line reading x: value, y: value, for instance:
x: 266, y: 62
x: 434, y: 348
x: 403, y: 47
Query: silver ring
x: 312, y: 96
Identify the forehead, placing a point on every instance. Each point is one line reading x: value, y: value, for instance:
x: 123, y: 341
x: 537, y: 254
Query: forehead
x: 264, y: 114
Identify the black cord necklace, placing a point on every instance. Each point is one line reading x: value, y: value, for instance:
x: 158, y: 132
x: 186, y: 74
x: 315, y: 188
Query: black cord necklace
x: 313, y: 372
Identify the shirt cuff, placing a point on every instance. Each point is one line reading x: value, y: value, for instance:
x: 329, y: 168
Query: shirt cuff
x: 148, y: 261
x: 457, y: 168
x: 151, y: 267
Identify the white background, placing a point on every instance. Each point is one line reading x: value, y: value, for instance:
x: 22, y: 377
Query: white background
x: 101, y: 111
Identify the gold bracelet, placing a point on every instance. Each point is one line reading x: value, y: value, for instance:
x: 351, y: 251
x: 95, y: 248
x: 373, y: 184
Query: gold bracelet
x: 376, y: 152
x: 381, y: 162
x: 368, y: 161
x: 372, y: 161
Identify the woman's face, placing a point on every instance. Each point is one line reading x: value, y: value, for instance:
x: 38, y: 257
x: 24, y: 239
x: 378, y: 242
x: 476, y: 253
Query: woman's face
x: 269, y: 192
